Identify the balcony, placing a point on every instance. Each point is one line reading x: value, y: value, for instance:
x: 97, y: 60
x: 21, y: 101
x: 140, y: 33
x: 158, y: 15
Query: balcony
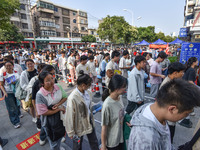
x: 46, y: 10
x: 189, y: 23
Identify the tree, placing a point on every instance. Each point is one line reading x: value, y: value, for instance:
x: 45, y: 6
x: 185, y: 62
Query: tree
x: 146, y: 33
x: 116, y: 29
x: 160, y: 35
x: 88, y: 38
x: 7, y: 8
x: 11, y: 34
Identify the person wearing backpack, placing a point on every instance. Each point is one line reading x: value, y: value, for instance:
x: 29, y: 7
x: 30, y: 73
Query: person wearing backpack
x: 7, y: 82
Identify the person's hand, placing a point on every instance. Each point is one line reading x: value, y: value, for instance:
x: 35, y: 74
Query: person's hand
x: 140, y: 102
x: 62, y: 109
x: 55, y: 106
x: 128, y: 124
x: 36, y: 114
x: 162, y: 76
x: 103, y: 147
x: 71, y: 137
x: 5, y: 94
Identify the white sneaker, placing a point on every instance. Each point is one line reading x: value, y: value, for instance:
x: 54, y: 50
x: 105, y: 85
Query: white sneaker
x: 42, y: 142
x: 34, y: 120
x: 63, y: 139
x: 38, y: 129
x: 17, y: 126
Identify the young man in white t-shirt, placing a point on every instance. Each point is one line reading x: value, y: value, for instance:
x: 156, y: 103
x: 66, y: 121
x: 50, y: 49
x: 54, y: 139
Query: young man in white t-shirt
x: 112, y: 66
x: 174, y: 101
x: 123, y: 65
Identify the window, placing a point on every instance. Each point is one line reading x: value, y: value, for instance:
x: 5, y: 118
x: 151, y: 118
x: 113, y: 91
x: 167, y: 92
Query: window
x: 48, y: 33
x: 92, y: 32
x: 82, y: 21
x: 65, y: 35
x: 74, y: 13
x: 85, y: 21
x: 82, y: 14
x: 65, y: 12
x: 25, y: 34
x: 46, y: 15
x: 24, y: 26
x: 58, y: 34
x: 57, y: 26
x: 74, y: 20
x: 16, y: 14
x: 56, y: 9
x: 45, y: 5
x: 82, y: 28
x: 30, y: 34
x: 23, y: 16
x: 16, y: 23
x: 22, y: 6
x: 47, y: 23
x: 66, y: 20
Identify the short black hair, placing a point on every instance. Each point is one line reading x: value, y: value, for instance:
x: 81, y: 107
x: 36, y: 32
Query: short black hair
x: 91, y: 57
x: 83, y: 57
x: 176, y: 66
x: 138, y: 59
x: 83, y: 78
x: 115, y: 54
x: 29, y: 60
x: 150, y: 54
x: 145, y: 54
x: 162, y: 55
x: 106, y: 54
x: 125, y: 53
x: 181, y: 93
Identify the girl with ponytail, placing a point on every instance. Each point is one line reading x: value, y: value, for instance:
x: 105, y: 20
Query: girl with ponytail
x: 113, y: 114
x: 78, y: 118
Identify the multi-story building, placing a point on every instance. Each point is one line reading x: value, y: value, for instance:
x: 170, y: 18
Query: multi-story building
x: 22, y: 19
x: 52, y: 20
x: 192, y: 20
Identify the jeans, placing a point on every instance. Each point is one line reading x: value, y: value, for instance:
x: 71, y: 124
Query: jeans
x: 13, y: 108
x: 43, y: 135
x: 132, y: 106
x: 154, y: 90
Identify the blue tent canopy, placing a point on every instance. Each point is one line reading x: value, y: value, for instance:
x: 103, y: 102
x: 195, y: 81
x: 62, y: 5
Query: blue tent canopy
x: 159, y: 42
x: 143, y: 43
x: 177, y: 41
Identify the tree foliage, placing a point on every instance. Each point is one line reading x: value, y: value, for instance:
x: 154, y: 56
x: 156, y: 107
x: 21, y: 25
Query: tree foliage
x: 146, y: 33
x: 88, y: 38
x: 7, y: 8
x: 11, y: 34
x: 115, y: 29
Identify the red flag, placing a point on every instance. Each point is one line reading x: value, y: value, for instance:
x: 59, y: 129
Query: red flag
x: 167, y: 49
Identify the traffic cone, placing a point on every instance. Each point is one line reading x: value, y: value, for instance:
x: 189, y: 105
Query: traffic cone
x: 93, y: 88
x: 70, y: 81
x: 97, y: 94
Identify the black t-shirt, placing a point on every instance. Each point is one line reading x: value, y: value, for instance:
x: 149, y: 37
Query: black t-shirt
x: 47, y: 57
x: 36, y: 88
x: 32, y: 74
x: 190, y: 75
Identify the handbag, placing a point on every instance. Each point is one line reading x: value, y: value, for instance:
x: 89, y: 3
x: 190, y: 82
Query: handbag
x: 55, y: 128
x: 190, y: 144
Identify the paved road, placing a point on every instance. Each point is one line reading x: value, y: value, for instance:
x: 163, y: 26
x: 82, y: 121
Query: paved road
x: 28, y: 128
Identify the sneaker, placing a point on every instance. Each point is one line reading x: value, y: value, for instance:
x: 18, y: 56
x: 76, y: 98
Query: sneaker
x: 42, y: 142
x: 38, y: 129
x: 186, y: 123
x: 192, y: 114
x: 17, y: 126
x: 4, y: 142
x: 21, y: 116
x: 34, y: 120
x: 63, y: 139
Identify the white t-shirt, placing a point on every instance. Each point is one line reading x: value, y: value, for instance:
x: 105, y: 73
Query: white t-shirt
x: 147, y: 113
x: 61, y: 62
x: 21, y: 60
x: 85, y: 68
x: 122, y: 64
x: 92, y: 68
x: 110, y: 66
x: 8, y: 79
x: 71, y: 60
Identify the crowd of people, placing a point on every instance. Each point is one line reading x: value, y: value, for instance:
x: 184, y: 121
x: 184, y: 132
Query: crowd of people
x: 30, y: 80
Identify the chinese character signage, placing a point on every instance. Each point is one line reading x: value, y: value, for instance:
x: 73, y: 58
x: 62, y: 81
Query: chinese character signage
x: 189, y: 50
x: 183, y: 32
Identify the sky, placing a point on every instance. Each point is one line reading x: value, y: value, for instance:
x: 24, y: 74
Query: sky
x: 166, y: 15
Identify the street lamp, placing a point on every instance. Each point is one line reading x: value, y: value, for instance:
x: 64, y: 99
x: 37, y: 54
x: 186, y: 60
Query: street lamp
x: 131, y: 12
x: 71, y: 36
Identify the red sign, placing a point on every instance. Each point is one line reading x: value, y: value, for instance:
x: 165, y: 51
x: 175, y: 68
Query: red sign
x: 29, y: 142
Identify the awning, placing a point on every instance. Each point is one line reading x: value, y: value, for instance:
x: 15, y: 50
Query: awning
x: 57, y: 43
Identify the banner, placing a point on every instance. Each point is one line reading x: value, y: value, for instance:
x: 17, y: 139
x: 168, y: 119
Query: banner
x: 29, y: 142
x: 189, y: 50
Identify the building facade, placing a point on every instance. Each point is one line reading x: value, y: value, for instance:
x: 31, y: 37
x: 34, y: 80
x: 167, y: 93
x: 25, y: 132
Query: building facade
x: 52, y: 20
x: 192, y: 20
x: 22, y: 19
